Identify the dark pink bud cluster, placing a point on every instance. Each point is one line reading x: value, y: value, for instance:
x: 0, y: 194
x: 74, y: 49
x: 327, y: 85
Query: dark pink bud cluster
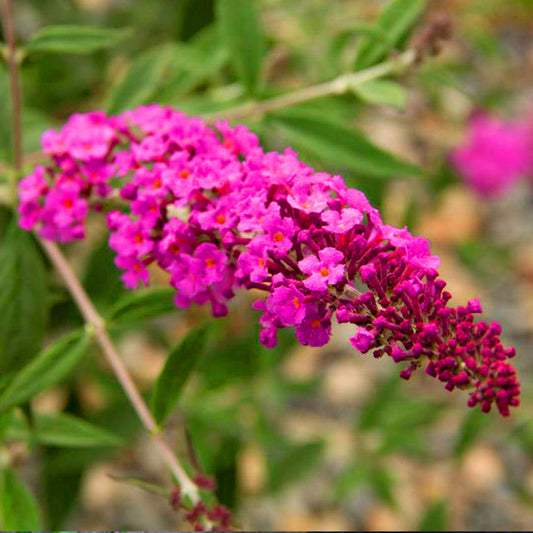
x: 199, y: 515
x: 216, y: 212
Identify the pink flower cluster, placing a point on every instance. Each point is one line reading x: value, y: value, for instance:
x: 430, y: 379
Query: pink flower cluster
x: 496, y: 154
x: 217, y: 213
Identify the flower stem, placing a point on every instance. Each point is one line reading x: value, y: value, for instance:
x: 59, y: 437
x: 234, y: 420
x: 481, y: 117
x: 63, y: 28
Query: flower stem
x: 339, y: 85
x: 16, y: 104
x: 84, y: 303
x: 95, y: 321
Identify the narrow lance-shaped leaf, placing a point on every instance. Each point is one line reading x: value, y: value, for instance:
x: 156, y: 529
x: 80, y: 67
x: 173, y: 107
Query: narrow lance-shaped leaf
x: 72, y: 39
x: 396, y: 21
x: 49, y: 367
x: 23, y: 299
x: 18, y: 507
x: 143, y: 304
x: 240, y: 26
x: 341, y: 146
x: 177, y: 370
x: 141, y: 80
x: 63, y: 430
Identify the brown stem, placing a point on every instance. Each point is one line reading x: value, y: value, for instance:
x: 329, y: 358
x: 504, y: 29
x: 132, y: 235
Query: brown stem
x: 95, y: 321
x: 86, y: 307
x: 339, y: 85
x: 8, y: 24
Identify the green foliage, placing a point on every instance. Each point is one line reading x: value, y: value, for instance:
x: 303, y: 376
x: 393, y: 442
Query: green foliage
x: 290, y: 462
x: 484, y: 258
x: 50, y: 366
x: 23, y: 299
x: 62, y: 430
x: 69, y: 39
x: 382, y: 92
x: 382, y: 484
x: 177, y: 370
x: 102, y: 278
x: 473, y: 424
x: 340, y: 145
x: 193, y: 64
x: 241, y: 28
x: 435, y: 518
x: 140, y: 305
x: 141, y: 81
x: 5, y: 116
x: 18, y: 507
x: 204, y: 56
x: 396, y: 21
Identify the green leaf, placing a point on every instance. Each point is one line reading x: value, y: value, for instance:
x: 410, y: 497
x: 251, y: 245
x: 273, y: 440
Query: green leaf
x: 63, y: 430
x: 383, y: 484
x: 141, y: 81
x: 396, y: 21
x: 472, y: 426
x: 241, y: 28
x: 341, y: 146
x: 23, y: 299
x: 70, y: 39
x: 145, y: 485
x: 374, y: 410
x: 177, y: 370
x: 293, y: 462
x: 49, y: 367
x: 102, y: 278
x: 350, y: 479
x: 434, y: 518
x: 382, y: 92
x: 191, y: 66
x: 34, y: 122
x: 5, y: 116
x: 18, y: 507
x: 371, y: 30
x: 143, y: 304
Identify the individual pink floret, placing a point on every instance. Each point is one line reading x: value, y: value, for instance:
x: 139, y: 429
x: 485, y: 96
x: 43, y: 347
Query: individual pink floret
x: 324, y: 271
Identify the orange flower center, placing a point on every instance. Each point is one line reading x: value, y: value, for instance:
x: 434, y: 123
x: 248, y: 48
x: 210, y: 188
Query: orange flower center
x: 221, y: 219
x: 68, y: 203
x: 157, y: 183
x: 138, y: 238
x: 296, y: 302
x: 136, y: 267
x: 324, y: 272
x: 184, y: 174
x: 278, y: 237
x: 261, y: 262
x: 174, y: 248
x: 315, y: 323
x: 210, y: 262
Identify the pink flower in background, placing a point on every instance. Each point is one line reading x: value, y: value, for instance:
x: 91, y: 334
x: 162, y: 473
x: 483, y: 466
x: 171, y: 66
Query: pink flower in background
x: 495, y: 155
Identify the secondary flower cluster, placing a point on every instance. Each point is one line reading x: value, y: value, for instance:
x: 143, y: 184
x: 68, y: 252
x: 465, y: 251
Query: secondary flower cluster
x: 216, y: 212
x: 496, y: 154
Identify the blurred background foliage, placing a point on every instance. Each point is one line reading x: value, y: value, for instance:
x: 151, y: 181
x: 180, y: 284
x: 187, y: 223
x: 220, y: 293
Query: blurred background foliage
x: 297, y: 438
